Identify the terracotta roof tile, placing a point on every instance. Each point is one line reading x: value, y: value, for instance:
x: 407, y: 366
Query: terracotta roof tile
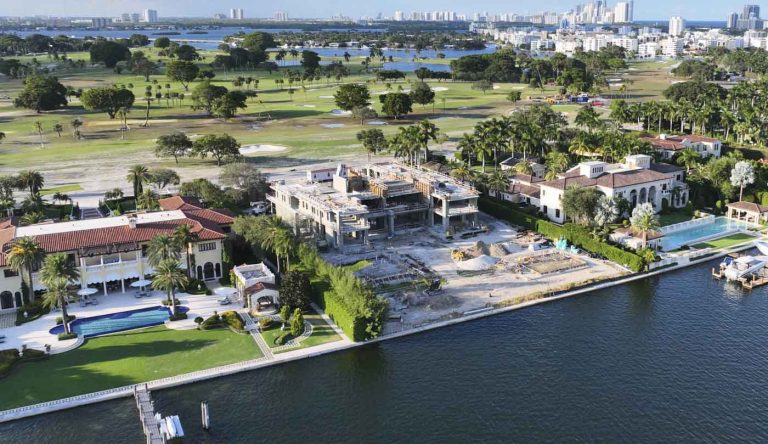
x: 748, y: 206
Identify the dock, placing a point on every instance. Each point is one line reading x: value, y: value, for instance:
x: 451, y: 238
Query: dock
x: 147, y: 415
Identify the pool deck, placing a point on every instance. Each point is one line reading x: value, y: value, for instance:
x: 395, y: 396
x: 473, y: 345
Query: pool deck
x: 35, y: 334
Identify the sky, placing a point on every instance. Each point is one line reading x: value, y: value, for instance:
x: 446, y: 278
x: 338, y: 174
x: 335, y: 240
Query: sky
x: 644, y: 9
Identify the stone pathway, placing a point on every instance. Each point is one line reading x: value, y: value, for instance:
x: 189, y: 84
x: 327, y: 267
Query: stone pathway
x: 90, y: 213
x: 253, y: 329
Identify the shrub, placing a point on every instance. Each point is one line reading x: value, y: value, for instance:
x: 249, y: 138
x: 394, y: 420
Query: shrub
x: 233, y: 320
x: 199, y: 320
x: 65, y: 336
x: 178, y: 316
x: 213, y: 321
x: 196, y: 286
x: 167, y: 303
x: 60, y: 319
x: 33, y: 309
x: 283, y: 338
x: 265, y: 323
x: 285, y: 313
x: 297, y: 323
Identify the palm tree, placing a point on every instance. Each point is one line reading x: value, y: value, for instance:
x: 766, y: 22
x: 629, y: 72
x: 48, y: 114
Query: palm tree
x: 39, y: 129
x: 688, y: 158
x: 498, y: 183
x: 275, y: 237
x: 57, y: 273
x: 138, y: 175
x: 426, y: 131
x: 25, y: 253
x: 76, y: 124
x: 184, y: 236
x: 588, y: 118
x: 643, y: 220
x: 162, y: 247
x: 168, y: 277
x: 31, y: 180
x: 58, y: 129
x: 461, y: 172
x: 524, y: 167
x: 483, y: 151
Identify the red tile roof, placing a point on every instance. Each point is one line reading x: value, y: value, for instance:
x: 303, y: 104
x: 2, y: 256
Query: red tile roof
x: 260, y: 286
x: 179, y: 203
x: 609, y: 180
x: 193, y: 209
x: 748, y: 206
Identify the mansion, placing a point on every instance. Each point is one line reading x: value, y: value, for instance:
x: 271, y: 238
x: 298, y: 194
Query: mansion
x: 111, y: 252
x: 668, y: 146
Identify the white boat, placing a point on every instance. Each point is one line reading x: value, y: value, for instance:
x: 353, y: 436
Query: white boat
x: 744, y: 265
x: 762, y: 246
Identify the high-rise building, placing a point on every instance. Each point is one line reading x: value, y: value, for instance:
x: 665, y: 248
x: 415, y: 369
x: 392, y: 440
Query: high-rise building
x: 281, y: 16
x: 676, y: 26
x: 749, y: 18
x: 135, y: 17
x: 621, y: 12
x: 750, y: 11
x: 733, y: 21
x: 236, y: 14
x: 398, y: 16
x: 150, y: 16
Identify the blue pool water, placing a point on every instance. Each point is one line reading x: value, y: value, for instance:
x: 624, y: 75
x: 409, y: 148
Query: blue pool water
x: 721, y: 225
x: 121, y: 321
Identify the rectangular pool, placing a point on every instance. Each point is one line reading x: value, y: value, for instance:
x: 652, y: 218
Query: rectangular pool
x: 720, y: 226
x: 120, y: 321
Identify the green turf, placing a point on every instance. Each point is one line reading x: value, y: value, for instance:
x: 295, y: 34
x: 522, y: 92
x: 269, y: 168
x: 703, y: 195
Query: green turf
x: 321, y: 333
x: 123, y: 359
x: 727, y: 241
x: 68, y: 188
x: 674, y: 217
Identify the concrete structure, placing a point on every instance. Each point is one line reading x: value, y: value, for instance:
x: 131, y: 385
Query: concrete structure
x: 256, y: 283
x: 637, y: 180
x: 668, y: 145
x: 676, y: 26
x: 747, y: 212
x: 379, y: 199
x: 112, y: 252
x: 236, y: 14
x: 149, y: 16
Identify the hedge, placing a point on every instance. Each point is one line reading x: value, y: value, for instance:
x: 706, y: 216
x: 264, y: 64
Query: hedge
x: 575, y: 234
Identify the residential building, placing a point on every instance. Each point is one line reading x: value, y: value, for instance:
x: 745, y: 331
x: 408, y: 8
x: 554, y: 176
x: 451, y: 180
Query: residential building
x: 676, y: 26
x: 150, y: 16
x: 672, y: 47
x: 668, y: 145
x: 732, y: 21
x: 281, y: 16
x: 236, y: 14
x: 378, y: 199
x: 111, y: 252
x: 637, y: 179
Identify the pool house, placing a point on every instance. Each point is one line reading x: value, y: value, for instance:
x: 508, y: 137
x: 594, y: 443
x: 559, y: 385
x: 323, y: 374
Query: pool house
x: 747, y: 212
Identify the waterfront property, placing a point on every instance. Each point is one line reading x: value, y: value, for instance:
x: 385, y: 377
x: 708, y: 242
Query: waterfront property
x: 256, y: 283
x: 668, y: 146
x: 748, y: 212
x: 381, y: 199
x: 111, y: 252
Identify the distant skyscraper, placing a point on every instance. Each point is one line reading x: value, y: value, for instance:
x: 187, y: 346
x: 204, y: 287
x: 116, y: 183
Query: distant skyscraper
x: 135, y: 17
x: 150, y: 16
x: 733, y: 20
x: 750, y: 11
x: 398, y: 16
x: 236, y: 14
x: 676, y: 26
x: 621, y: 12
x: 281, y: 16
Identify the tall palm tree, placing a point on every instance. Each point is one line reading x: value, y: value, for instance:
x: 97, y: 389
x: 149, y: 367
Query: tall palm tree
x: 162, y: 247
x: 498, y: 182
x: 461, y: 172
x: 76, y: 124
x: 138, y: 175
x: 688, y: 158
x: 39, y: 129
x: 184, y: 236
x: 30, y: 180
x: 483, y: 151
x: 168, y: 277
x: 644, y: 220
x: 57, y: 273
x: 25, y: 253
x: 426, y: 131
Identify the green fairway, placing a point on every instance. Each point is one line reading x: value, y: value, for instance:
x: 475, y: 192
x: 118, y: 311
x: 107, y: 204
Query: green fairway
x: 727, y: 241
x: 123, y: 359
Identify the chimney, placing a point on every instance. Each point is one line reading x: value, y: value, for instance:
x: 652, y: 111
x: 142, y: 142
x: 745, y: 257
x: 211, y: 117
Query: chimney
x: 132, y: 222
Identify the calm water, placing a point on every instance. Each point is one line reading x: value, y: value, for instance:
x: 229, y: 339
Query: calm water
x: 720, y: 226
x: 676, y: 358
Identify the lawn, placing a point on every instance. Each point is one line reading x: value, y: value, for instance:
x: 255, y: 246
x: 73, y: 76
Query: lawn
x: 674, y: 217
x: 727, y: 241
x: 119, y: 360
x: 68, y: 188
x: 321, y: 333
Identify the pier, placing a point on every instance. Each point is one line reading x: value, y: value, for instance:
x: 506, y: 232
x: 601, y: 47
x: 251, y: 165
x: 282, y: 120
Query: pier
x: 749, y: 281
x: 147, y: 415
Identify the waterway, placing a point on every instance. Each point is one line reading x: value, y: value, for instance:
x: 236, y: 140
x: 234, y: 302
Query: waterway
x: 678, y: 357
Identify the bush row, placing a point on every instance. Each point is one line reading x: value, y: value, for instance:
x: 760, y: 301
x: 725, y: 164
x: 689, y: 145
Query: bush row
x: 575, y: 234
x: 11, y: 356
x: 229, y: 319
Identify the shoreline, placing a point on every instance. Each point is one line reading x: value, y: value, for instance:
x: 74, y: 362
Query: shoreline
x: 332, y: 347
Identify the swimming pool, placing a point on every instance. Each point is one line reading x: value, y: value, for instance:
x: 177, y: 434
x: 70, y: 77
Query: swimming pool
x: 719, y: 227
x: 121, y: 321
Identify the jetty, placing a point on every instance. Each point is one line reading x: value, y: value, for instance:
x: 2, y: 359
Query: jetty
x: 149, y: 421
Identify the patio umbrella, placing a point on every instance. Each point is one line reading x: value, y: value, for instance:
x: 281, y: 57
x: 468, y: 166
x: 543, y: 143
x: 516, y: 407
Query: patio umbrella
x: 87, y: 291
x: 225, y: 291
x: 141, y: 283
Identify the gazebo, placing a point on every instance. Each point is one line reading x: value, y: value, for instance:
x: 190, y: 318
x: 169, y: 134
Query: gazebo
x: 262, y: 297
x: 747, y: 212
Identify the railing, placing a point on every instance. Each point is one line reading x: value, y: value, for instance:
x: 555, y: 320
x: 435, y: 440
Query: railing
x: 688, y: 224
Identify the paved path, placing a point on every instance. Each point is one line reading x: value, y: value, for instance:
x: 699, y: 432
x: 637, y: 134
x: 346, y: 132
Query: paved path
x: 147, y: 414
x: 253, y: 329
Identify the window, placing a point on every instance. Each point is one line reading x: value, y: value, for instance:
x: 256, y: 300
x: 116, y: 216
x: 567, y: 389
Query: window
x: 557, y: 214
x: 208, y: 246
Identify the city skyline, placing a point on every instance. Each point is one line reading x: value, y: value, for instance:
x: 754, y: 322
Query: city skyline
x: 645, y: 10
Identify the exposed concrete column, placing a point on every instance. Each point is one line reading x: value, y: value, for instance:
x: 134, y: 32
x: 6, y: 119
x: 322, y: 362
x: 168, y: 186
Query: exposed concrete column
x: 446, y: 218
x: 391, y: 222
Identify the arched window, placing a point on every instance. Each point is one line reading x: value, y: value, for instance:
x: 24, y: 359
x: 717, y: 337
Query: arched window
x: 6, y: 300
x: 208, y: 271
x: 199, y: 272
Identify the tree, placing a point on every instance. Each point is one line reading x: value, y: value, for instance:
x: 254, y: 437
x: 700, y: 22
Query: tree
x: 588, y: 117
x: 107, y: 99
x: 162, y: 42
x: 514, y: 96
x: 168, y: 277
x: 109, y: 53
x: 285, y: 313
x: 138, y: 40
x: 227, y: 105
x: 24, y: 255
x: 30, y: 180
x: 426, y: 131
x: 363, y: 112
x: 41, y: 93
x: 742, y: 174
x: 580, y: 204
x: 220, y: 147
x: 206, y: 96
x: 57, y: 128
x: 352, y: 95
x: 182, y: 71
x: 373, y: 141
x: 688, y: 158
x: 184, y: 236
x: 162, y: 177
x: 258, y: 41
x: 147, y: 200
x: 498, y: 182
x: 138, y: 175
x: 422, y: 94
x: 607, y: 211
x: 643, y: 220
x: 310, y: 60
x: 297, y: 323
x: 76, y: 124
x: 186, y: 53
x: 175, y: 145
x: 482, y: 85
x: 56, y: 273
x: 245, y: 176
x: 295, y: 289
x: 144, y: 67
x: 162, y: 247
x: 396, y: 105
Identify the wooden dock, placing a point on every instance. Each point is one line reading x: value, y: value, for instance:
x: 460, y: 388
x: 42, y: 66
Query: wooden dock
x: 754, y: 281
x: 147, y: 415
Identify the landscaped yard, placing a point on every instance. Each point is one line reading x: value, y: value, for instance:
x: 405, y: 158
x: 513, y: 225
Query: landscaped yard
x: 726, y: 241
x: 674, y: 217
x: 118, y: 360
x: 321, y: 333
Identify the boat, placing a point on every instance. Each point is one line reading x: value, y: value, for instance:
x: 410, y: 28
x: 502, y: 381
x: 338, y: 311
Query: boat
x: 762, y: 246
x: 170, y: 426
x: 744, y: 265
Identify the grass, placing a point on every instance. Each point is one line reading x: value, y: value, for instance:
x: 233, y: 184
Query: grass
x: 68, y: 188
x: 321, y: 333
x: 727, y: 241
x: 674, y: 217
x: 123, y: 359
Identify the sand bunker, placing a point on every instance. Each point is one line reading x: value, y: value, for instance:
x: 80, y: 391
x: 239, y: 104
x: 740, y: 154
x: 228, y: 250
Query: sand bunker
x: 254, y: 149
x: 439, y: 88
x: 340, y: 112
x: 309, y: 106
x: 377, y: 122
x: 326, y: 97
x: 332, y: 125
